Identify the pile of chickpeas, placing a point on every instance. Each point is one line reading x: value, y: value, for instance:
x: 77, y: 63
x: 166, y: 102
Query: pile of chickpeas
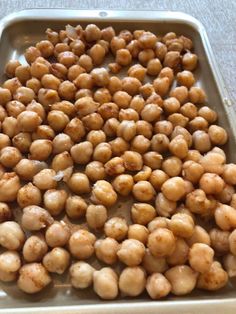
x: 77, y: 138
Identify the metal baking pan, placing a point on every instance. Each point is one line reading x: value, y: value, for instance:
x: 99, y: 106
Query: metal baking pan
x: 22, y: 29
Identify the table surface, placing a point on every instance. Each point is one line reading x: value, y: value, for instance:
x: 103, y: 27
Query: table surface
x: 217, y: 16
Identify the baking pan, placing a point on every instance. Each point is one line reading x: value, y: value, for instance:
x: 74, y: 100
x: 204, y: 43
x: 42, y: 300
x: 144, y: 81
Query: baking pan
x: 25, y: 28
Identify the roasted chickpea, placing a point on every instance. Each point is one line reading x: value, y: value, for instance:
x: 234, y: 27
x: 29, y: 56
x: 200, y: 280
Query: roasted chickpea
x: 81, y: 244
x: 5, y: 212
x: 9, y: 186
x: 97, y: 53
x: 153, y: 264
x: 102, y: 95
x: 82, y: 152
x: 138, y: 232
x: 57, y: 260
x: 180, y: 254
x: 96, y: 216
x: 225, y: 216
x: 201, y: 141
x: 86, y: 62
x: 164, y: 207
x: 123, y: 184
x: 161, y: 86
x: 130, y: 287
x: 102, y: 152
x: 57, y: 234
x: 143, y: 191
x: 92, y: 33
x: 131, y: 252
x: 74, y: 130
x: 40, y: 149
x: 103, y: 193
x: 28, y: 121
x: 189, y: 61
x: 10, y: 263
x: 229, y: 264
x: 119, y: 146
x: 29, y: 195
x: 158, y: 286
x: 144, y: 56
x: 160, y: 50
x: 105, y: 283
x: 218, y: 135
x: 12, y: 236
x: 10, y: 156
x: 81, y: 275
x: 10, y: 67
x: 34, y: 248
x: 108, y: 33
x: 192, y: 171
x: 211, y: 183
x: 174, y: 188
x: 163, y: 127
x: 45, y: 179
x: 100, y: 77
x: 161, y: 242
x: 35, y: 218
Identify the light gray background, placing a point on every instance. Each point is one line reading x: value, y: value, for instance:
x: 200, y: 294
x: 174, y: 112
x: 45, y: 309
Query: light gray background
x: 218, y: 17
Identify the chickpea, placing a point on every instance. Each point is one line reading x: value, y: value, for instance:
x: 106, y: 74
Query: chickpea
x: 14, y: 108
x: 201, y: 257
x: 192, y: 171
x: 45, y: 180
x: 78, y: 183
x: 81, y: 275
x: 48, y: 97
x: 164, y: 207
x: 122, y: 99
x: 82, y: 152
x: 154, y: 67
x: 144, y: 56
x: 181, y: 225
x: 103, y: 193
x: 151, y: 113
x: 34, y: 84
x: 211, y: 183
x: 33, y: 278
x: 131, y: 252
x: 143, y: 174
x: 160, y: 50
x: 137, y: 71
x: 182, y: 279
x: 92, y: 33
x: 164, y: 127
x: 108, y: 110
x: 95, y: 171
x: 105, y: 283
x: 142, y: 213
x: 54, y: 201
x: 67, y: 58
x: 40, y: 149
x: 10, y: 156
x: 157, y: 178
x: 146, y: 90
x: 61, y: 143
x: 193, y: 155
x: 171, y: 105
x: 189, y: 61
x: 197, y: 95
x: 219, y: 240
x: 114, y: 85
x: 27, y: 168
x: 57, y: 260
x: 144, y: 128
x: 93, y: 121
x: 213, y: 162
x: 143, y: 191
x: 85, y: 106
x: 22, y: 72
x: 232, y: 241
x: 199, y: 235
x: 9, y: 187
x: 201, y: 141
x: 74, y: 130
x: 75, y: 207
x: 106, y: 250
x: 123, y: 184
x: 34, y: 248
x: 130, y: 286
x: 161, y: 242
x: 138, y: 232
x: 83, y: 81
x: 128, y: 114
x: 158, y: 286
x: 12, y: 85
x: 10, y: 68
x: 179, y: 147
x: 116, y: 228
x: 108, y: 33
x: 126, y: 130
x: 197, y: 201
x: 29, y: 195
x: 102, y: 95
x: 225, y: 216
x: 140, y: 144
x: 96, y: 137
x: 161, y: 86
x: 96, y: 216
x: 132, y: 161
x: 62, y: 161
x: 81, y: 244
x: 35, y: 218
x: 12, y: 236
x: 180, y: 254
x: 228, y: 175
x: 10, y: 263
x: 218, y: 135
x: 102, y: 152
x: 22, y: 141
x: 189, y: 110
x: 58, y: 69
x: 229, y: 264
x: 39, y: 69
x: 67, y: 90
x: 185, y: 78
x: 97, y: 53
x: 153, y: 264
x: 57, y: 234
x: 214, y: 279
x: 85, y: 62
x: 177, y: 119
x: 10, y: 126
x: 152, y: 160
x: 5, y: 212
x: 174, y: 188
x: 100, y: 77
x: 208, y: 114
x: 28, y: 121
x: 38, y: 108
x: 119, y: 146
x: 74, y: 71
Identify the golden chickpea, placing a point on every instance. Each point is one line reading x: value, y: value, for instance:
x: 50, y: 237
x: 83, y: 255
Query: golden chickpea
x: 169, y: 36
x: 95, y: 171
x: 137, y: 103
x: 79, y: 183
x: 174, y: 188
x: 108, y: 110
x: 143, y: 174
x: 114, y: 166
x: 147, y: 40
x: 85, y: 106
x: 163, y: 127
x: 61, y: 142
x: 92, y: 33
x: 128, y: 114
x: 86, y: 62
x: 28, y: 121
x: 10, y: 68
x: 142, y: 213
x: 10, y: 263
x: 29, y: 195
x: 81, y: 275
x: 138, y: 232
x: 122, y: 99
x: 114, y: 85
x: 103, y: 193
x: 140, y: 144
x: 57, y: 260
x: 75, y: 207
x: 161, y: 242
x: 108, y: 33
x: 214, y: 279
x: 197, y: 95
x: 96, y: 137
x: 40, y: 149
x: 189, y: 110
x: 157, y: 178
x: 172, y: 59
x: 96, y: 216
x: 143, y: 191
x: 62, y: 161
x: 45, y: 180
x: 154, y: 67
x: 14, y: 108
x: 74, y: 130
x: 167, y: 72
x: 213, y: 162
x: 200, y: 235
x: 105, y: 283
x: 82, y: 152
x: 102, y: 95
x: 83, y: 81
x: 131, y: 252
x: 67, y: 90
x: 5, y: 212
x: 9, y: 186
x: 81, y: 244
x: 179, y: 147
x: 123, y: 57
x: 180, y: 131
x: 4, y: 140
x: 152, y: 160
x: 12, y: 236
x: 33, y: 277
x: 193, y: 155
x: 172, y: 166
x: 160, y: 50
x: 119, y: 146
x: 100, y: 77
x: 208, y: 114
x: 38, y: 108
x: 123, y: 184
x: 201, y: 257
x: 158, y: 286
x: 126, y: 130
x: 74, y: 71
x: 35, y: 218
x: 185, y: 78
x: 164, y: 207
x: 181, y: 93
x: 67, y: 58
x: 39, y: 69
x: 57, y: 234
x: 218, y: 135
x: 23, y: 74
x: 180, y: 254
x: 131, y: 85
x: 182, y: 279
x: 10, y: 156
x: 229, y: 173
x: 11, y: 86
x: 151, y: 113
x: 229, y: 264
x: 34, y: 84
x: 171, y: 105
x: 106, y: 249
x: 132, y: 161
x: 197, y: 202
x: 3, y: 113
x: 93, y: 121
x: 97, y: 53
x: 137, y: 71
x: 192, y: 171
x: 225, y: 217
x: 189, y: 61
x: 201, y: 141
x: 211, y: 183
x: 58, y: 70
x: 219, y: 240
x: 144, y: 56
x: 161, y: 86
x: 153, y: 264
x: 34, y: 248
x: 24, y: 95
x: 10, y: 126
x: 102, y: 152
x: 146, y: 90
x: 130, y: 287
x: 54, y: 201
x: 181, y: 225
x: 116, y: 228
